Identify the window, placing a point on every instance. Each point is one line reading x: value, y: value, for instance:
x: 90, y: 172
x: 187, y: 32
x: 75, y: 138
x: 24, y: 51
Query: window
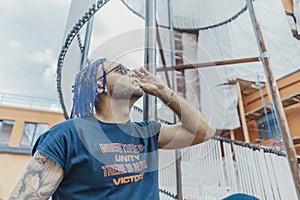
x: 31, y: 132
x: 263, y: 129
x: 6, y: 127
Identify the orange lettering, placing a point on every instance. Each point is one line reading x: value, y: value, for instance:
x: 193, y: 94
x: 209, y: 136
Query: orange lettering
x: 129, y: 168
x: 126, y: 158
x: 113, y: 170
x: 140, y: 166
x: 117, y: 182
x: 128, y: 179
x: 114, y: 147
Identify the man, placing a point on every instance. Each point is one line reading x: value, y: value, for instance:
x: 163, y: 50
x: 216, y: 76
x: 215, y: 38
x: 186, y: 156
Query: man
x: 100, y: 154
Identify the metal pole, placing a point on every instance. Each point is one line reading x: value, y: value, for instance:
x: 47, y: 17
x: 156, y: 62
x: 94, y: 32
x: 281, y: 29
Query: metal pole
x: 87, y: 41
x: 150, y: 56
x: 208, y: 64
x: 162, y: 55
x: 279, y: 110
x: 172, y: 49
x: 172, y: 55
x: 171, y: 32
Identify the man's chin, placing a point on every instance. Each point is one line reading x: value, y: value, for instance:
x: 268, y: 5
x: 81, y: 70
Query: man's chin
x: 138, y: 93
x: 133, y: 94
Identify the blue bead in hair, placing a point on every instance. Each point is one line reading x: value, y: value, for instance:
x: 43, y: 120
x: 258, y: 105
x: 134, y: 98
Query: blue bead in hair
x: 104, y: 82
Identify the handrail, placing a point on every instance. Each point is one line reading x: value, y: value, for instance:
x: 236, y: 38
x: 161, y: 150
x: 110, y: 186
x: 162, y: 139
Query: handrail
x: 26, y: 101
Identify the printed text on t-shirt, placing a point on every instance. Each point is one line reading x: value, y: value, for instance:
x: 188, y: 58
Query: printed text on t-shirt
x: 127, y: 160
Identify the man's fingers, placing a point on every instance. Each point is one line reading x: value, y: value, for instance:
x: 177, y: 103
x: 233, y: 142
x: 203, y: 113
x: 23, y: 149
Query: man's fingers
x: 144, y: 86
x: 143, y: 70
x: 138, y: 74
x: 137, y: 82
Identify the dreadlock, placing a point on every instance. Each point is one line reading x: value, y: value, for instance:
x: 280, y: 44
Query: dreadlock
x: 85, y: 90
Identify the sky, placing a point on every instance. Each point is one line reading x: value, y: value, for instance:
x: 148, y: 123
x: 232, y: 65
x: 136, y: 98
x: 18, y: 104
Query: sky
x: 31, y: 37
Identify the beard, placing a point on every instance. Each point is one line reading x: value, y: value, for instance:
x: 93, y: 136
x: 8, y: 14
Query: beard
x: 125, y: 91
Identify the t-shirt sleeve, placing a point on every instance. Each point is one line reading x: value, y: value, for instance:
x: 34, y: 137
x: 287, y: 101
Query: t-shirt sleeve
x: 155, y: 128
x: 53, y: 143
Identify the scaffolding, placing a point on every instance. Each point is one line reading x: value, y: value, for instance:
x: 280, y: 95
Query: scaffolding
x: 273, y: 90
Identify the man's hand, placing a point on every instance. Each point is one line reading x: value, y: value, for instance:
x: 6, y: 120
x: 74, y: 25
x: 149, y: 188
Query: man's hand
x: 148, y: 82
x: 194, y: 128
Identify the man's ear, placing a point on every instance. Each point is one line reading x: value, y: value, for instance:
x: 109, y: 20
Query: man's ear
x: 100, y: 88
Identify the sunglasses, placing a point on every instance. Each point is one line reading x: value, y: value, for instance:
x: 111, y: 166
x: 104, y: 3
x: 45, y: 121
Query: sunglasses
x: 120, y: 68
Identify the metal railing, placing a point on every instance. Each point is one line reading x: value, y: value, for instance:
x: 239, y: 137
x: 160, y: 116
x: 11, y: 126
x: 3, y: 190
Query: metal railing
x: 31, y: 102
x: 221, y: 167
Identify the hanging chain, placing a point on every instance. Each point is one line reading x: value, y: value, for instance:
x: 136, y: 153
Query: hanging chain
x: 168, y: 193
x: 81, y: 47
x: 196, y: 28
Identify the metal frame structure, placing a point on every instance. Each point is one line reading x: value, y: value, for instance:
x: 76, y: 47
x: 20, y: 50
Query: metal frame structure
x: 273, y: 90
x: 149, y: 103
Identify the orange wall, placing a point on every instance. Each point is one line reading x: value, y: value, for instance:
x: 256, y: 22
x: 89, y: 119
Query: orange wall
x: 13, y: 165
x: 11, y: 169
x: 288, y: 86
x: 22, y: 115
x: 293, y: 117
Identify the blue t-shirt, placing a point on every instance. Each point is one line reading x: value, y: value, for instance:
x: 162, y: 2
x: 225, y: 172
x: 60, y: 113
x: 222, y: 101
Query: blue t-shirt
x: 103, y: 160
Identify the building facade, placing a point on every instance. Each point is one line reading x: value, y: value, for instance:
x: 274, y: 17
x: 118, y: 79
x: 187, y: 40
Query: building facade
x: 19, y: 128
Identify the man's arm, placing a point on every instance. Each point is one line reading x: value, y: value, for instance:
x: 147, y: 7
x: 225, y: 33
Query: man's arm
x: 40, y: 179
x: 194, y: 128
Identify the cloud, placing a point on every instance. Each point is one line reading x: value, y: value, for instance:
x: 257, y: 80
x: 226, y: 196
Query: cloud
x: 47, y: 61
x: 31, y: 35
x: 50, y: 72
x: 14, y: 44
x: 45, y: 57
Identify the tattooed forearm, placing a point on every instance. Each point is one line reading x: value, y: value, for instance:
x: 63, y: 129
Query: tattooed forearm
x: 40, y: 179
x: 41, y: 158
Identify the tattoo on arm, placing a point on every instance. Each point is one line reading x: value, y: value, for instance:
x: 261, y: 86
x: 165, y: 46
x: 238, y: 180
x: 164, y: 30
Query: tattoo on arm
x: 40, y: 179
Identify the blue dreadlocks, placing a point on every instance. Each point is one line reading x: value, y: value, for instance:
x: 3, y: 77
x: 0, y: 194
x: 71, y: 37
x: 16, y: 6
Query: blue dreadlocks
x: 85, y: 90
